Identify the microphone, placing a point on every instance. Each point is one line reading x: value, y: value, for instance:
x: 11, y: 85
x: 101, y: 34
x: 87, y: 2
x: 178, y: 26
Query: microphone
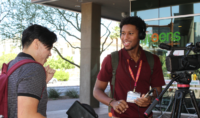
x: 197, y: 47
x: 165, y: 46
x: 148, y: 93
x: 198, y: 44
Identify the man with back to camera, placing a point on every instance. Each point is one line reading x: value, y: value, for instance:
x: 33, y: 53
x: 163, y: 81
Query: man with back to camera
x: 27, y: 93
x: 132, y: 62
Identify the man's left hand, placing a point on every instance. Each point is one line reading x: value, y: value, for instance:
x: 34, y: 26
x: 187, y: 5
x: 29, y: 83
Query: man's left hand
x: 49, y: 73
x: 143, y: 101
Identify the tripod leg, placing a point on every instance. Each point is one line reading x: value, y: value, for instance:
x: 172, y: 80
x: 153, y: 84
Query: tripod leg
x: 178, y: 99
x: 192, y: 95
x: 185, y: 106
x: 174, y: 105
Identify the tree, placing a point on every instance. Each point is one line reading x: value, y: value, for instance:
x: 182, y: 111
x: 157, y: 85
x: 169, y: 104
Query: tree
x: 4, y: 9
x: 66, y: 24
x: 59, y: 63
x: 5, y: 58
x: 115, y: 35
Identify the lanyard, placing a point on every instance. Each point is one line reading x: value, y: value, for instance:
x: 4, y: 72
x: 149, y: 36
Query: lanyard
x: 138, y: 73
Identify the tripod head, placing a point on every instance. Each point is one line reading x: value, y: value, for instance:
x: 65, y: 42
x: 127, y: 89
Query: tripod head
x: 183, y: 79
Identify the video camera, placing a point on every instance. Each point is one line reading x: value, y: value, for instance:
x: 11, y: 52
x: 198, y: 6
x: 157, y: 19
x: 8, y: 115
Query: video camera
x: 182, y: 63
x: 181, y: 68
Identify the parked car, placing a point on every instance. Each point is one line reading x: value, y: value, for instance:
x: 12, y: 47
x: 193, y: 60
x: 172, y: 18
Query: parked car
x: 53, y: 81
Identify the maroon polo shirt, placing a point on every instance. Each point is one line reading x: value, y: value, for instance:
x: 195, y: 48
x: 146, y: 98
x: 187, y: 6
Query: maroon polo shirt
x: 125, y: 83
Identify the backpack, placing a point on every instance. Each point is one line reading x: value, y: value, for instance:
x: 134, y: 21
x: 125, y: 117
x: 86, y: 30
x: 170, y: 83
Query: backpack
x: 115, y: 61
x: 81, y: 110
x: 5, y: 73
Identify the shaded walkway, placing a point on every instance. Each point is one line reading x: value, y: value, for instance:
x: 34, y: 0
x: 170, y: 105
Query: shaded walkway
x: 58, y: 109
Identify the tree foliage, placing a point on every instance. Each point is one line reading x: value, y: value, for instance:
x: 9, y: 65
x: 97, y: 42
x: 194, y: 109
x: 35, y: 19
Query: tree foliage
x: 5, y: 58
x: 5, y: 9
x: 115, y: 35
x: 61, y: 75
x: 59, y: 63
x: 66, y: 24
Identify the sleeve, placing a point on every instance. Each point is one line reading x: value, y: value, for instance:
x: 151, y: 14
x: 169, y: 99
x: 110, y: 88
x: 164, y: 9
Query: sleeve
x: 105, y: 74
x: 157, y: 78
x: 32, y: 81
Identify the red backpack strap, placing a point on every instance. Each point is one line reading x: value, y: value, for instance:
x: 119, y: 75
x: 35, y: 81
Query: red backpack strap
x: 20, y: 63
x: 4, y: 68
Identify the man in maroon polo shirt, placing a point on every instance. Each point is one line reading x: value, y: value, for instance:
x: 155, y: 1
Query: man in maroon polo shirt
x: 133, y: 73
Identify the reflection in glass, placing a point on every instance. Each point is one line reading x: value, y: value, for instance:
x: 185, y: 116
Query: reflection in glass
x: 197, y: 29
x: 148, y: 14
x: 175, y: 10
x: 149, y: 9
x: 175, y: 30
x: 196, y: 8
x: 164, y: 12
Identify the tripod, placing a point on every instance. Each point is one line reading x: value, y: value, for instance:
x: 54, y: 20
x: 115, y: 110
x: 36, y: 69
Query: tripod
x: 178, y: 100
x: 183, y: 90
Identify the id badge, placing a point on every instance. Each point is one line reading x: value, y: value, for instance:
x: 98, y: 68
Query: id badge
x: 131, y: 96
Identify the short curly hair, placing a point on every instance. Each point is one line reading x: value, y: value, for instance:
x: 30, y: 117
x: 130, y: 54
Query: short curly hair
x: 134, y: 20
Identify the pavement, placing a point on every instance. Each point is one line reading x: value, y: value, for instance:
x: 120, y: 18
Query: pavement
x: 58, y: 108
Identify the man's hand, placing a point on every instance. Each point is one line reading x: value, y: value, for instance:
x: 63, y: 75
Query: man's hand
x: 143, y: 102
x: 49, y: 73
x: 119, y: 106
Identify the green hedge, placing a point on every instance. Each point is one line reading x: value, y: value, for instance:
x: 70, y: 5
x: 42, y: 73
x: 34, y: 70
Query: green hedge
x: 72, y: 93
x: 53, y: 93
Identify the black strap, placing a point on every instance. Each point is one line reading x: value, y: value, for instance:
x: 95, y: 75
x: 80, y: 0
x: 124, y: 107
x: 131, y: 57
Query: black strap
x: 115, y: 61
x: 150, y: 60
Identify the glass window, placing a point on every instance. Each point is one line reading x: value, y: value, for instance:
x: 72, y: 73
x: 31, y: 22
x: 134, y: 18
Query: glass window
x: 168, y: 22
x: 176, y: 32
x: 149, y: 9
x: 164, y: 12
x: 175, y: 10
x: 197, y: 29
x: 148, y: 14
x: 196, y: 8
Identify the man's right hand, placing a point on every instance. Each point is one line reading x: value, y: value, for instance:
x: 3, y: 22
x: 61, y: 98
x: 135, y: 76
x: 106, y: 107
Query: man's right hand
x: 98, y: 92
x: 119, y: 106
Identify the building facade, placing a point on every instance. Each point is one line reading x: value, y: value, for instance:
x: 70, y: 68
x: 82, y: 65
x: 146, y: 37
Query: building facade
x: 175, y: 23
